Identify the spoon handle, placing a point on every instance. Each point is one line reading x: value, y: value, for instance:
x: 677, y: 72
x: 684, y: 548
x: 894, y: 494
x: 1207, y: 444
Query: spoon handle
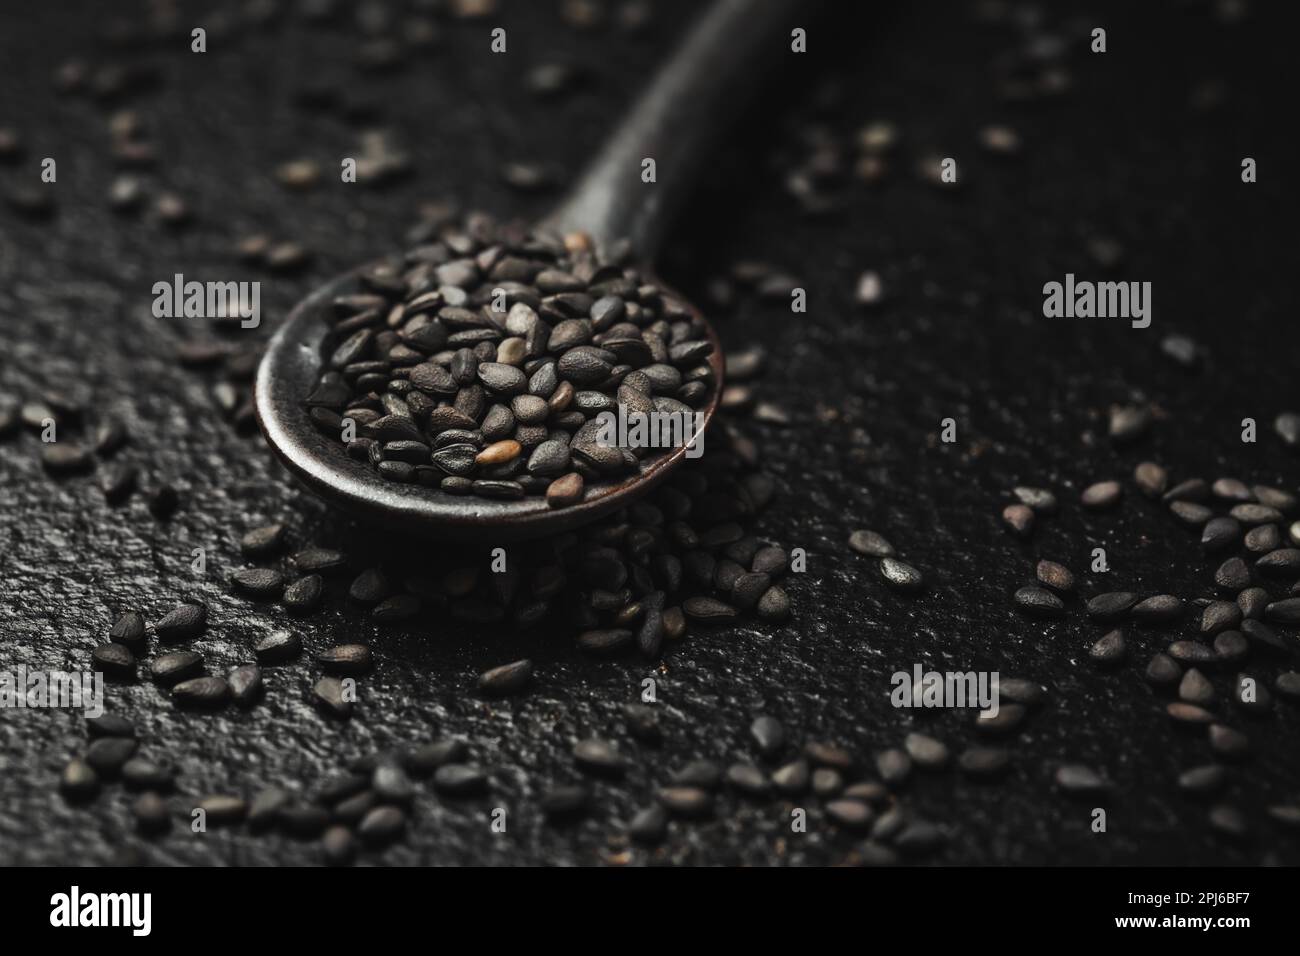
x: 693, y: 98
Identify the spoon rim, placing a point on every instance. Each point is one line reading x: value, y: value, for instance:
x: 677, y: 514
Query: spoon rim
x: 285, y: 376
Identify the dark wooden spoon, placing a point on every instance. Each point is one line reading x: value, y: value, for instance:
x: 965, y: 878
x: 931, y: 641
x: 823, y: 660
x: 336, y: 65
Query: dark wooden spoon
x: 678, y: 118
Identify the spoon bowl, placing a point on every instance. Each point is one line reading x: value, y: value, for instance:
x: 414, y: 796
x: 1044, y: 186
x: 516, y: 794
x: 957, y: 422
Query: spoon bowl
x: 287, y: 374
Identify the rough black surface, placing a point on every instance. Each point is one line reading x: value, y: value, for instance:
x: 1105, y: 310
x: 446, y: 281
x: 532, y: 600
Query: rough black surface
x: 1124, y: 154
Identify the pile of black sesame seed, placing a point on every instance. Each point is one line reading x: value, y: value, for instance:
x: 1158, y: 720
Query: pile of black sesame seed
x: 480, y: 362
x: 1231, y: 660
x: 630, y: 581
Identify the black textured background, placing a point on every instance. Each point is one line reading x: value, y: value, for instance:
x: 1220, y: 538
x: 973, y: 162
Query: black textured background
x: 1123, y: 154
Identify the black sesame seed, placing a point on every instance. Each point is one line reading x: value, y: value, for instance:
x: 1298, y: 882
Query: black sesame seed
x: 793, y: 778
x: 1220, y: 533
x: 459, y: 779
x: 427, y: 758
x: 115, y: 660
x: 186, y: 621
x: 506, y: 679
x: 1186, y: 713
x: 1194, y: 688
x: 1039, y: 499
x: 895, y: 766
x: 1021, y: 691
x: 1039, y: 602
x: 151, y: 813
x: 64, y: 458
x: 141, y: 774
x: 1263, y: 637
x: 768, y: 735
x: 704, y: 774
x: 1263, y: 539
x: 1151, y: 479
x: 245, y: 684
x: 1280, y: 562
x: 1077, y: 779
x: 201, y: 692
x: 1008, y: 718
x: 330, y: 695
x: 1229, y: 743
x: 708, y: 609
x: 1158, y: 609
x: 128, y: 629
x: 686, y: 801
x: 599, y: 757
x: 1231, y: 646
x: 382, y: 825
x: 1284, y: 612
x: 1203, y: 779
x: 107, y: 755
x: 983, y: 761
x: 649, y: 826
x: 1111, y: 606
x: 926, y: 751
x: 1288, y: 684
x: 119, y: 483
x: 110, y: 725
x: 304, y: 595
x: 1163, y: 670
x: 78, y: 781
x: 370, y: 587
x: 262, y: 541
x: 774, y: 605
x: 1110, y: 649
x: 1055, y: 576
x: 1220, y: 616
x: 346, y: 659
x: 260, y: 583
x: 566, y: 802
x: 1019, y: 518
x: 313, y: 560
x: 1195, y: 515
x: 900, y: 575
x: 850, y: 814
x: 168, y: 669
x: 1233, y: 575
x: 1252, y: 602
x: 1103, y: 494
x: 1193, y: 489
x: 1255, y: 514
x: 1192, y: 652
